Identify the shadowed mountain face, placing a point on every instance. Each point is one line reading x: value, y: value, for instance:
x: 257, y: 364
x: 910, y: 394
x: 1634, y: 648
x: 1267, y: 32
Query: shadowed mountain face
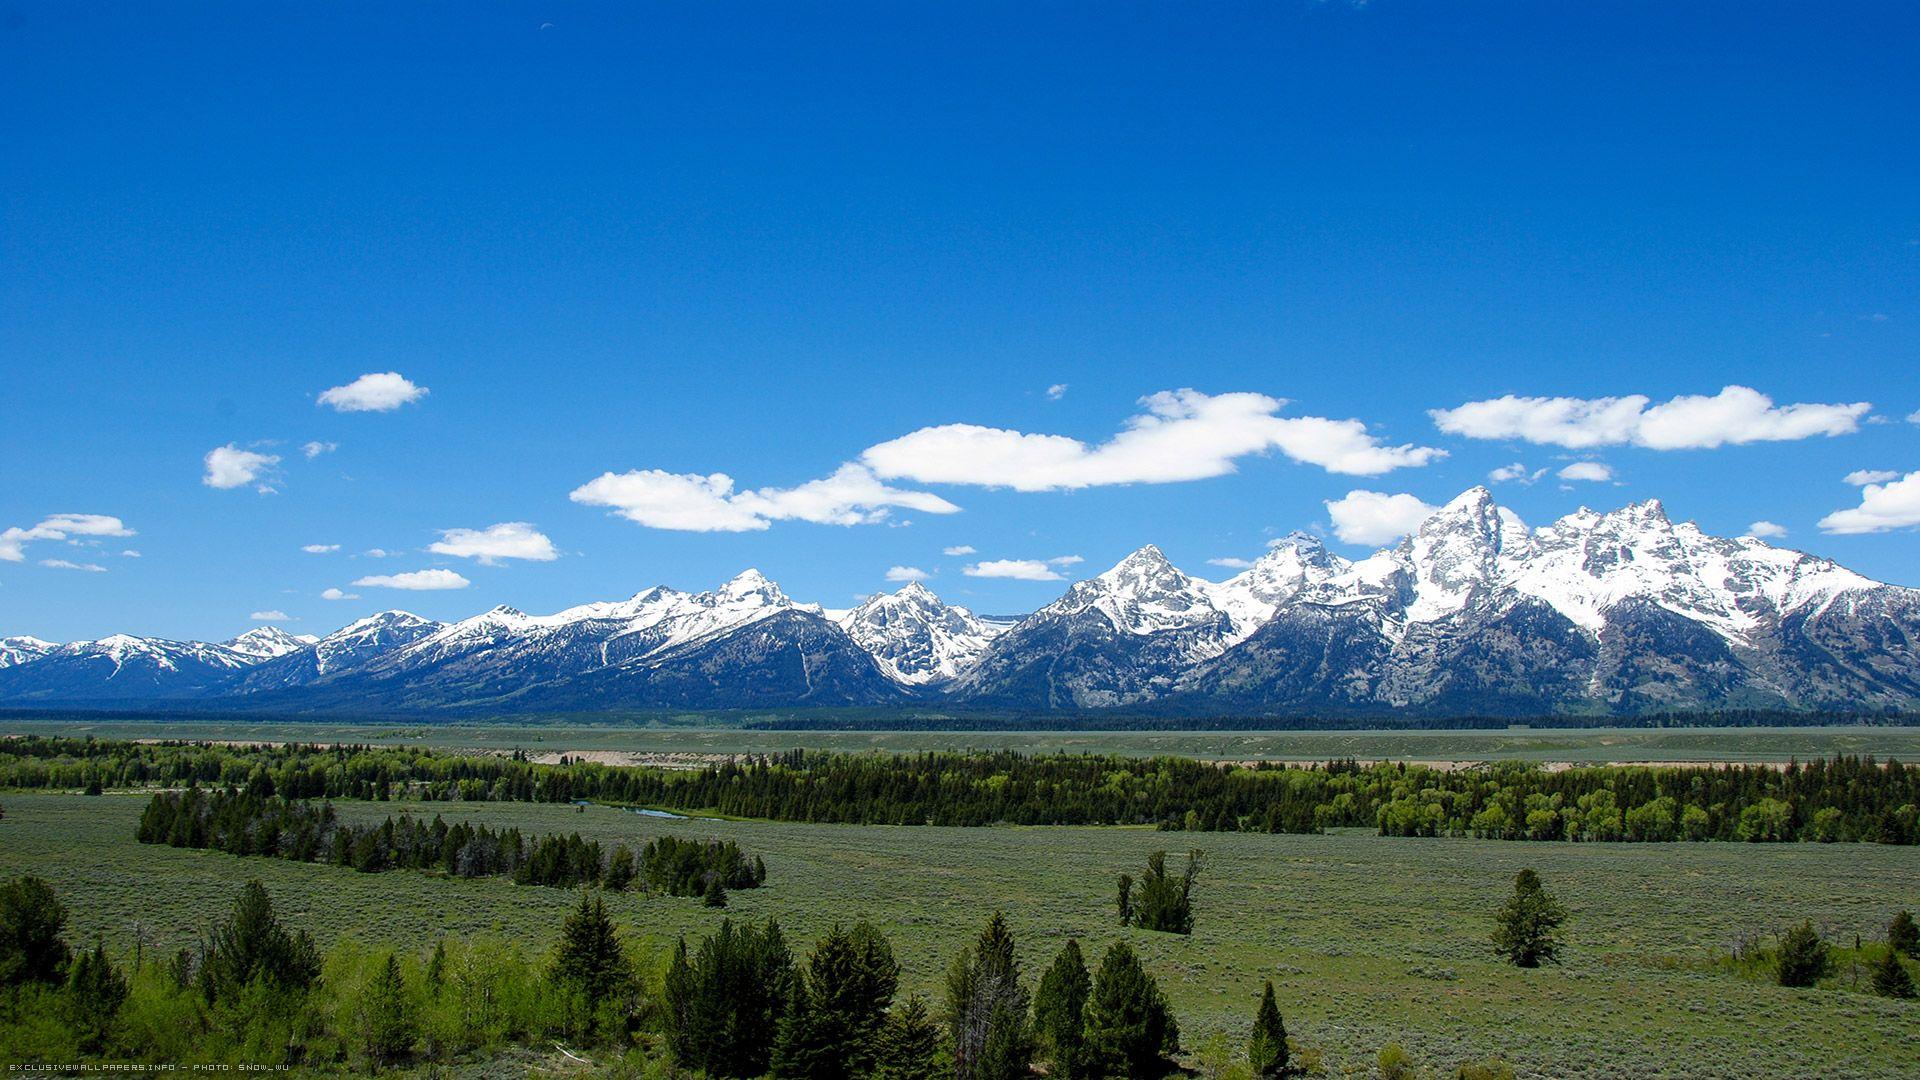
x: 1474, y: 613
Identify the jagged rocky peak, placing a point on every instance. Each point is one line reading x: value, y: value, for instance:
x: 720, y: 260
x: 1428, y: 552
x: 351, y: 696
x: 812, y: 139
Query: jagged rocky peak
x: 267, y: 642
x: 916, y: 637
x: 1142, y: 594
x: 753, y: 586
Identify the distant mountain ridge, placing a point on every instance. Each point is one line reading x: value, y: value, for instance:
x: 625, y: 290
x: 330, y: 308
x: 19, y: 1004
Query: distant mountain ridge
x: 1618, y: 612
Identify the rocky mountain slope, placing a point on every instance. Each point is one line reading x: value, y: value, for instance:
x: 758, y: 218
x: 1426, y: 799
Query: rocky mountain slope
x: 1475, y: 612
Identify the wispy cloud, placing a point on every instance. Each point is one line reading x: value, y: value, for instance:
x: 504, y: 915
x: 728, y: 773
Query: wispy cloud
x: 1766, y: 530
x: 230, y: 467
x: 1591, y: 471
x: 14, y: 539
x: 906, y: 573
x: 1023, y: 569
x: 960, y: 549
x: 415, y: 580
x: 1374, y: 517
x: 496, y: 543
x: 1737, y: 414
x: 315, y: 449
x: 320, y: 549
x: 275, y: 615
x: 690, y: 502
x: 63, y: 564
x: 338, y: 594
x: 1181, y: 435
x: 382, y: 391
x: 1883, y: 507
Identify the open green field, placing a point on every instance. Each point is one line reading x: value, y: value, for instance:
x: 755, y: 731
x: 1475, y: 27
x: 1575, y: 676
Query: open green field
x: 1368, y: 939
x: 1570, y: 745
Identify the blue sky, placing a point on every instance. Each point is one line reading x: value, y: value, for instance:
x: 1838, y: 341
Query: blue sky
x: 759, y: 240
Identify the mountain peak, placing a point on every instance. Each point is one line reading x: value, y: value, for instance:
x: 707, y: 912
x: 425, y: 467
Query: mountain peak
x: 752, y: 583
x: 1477, y: 497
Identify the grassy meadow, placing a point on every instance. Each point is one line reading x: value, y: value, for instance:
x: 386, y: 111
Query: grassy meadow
x: 1568, y: 745
x: 1368, y: 939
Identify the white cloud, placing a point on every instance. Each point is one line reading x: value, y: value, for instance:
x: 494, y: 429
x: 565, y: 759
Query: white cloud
x: 1231, y: 563
x: 1894, y: 505
x: 1181, y: 435
x: 373, y: 392
x: 231, y: 467
x: 1737, y: 414
x: 1017, y: 569
x: 1766, y: 530
x: 960, y: 549
x: 129, y: 554
x: 694, y: 503
x: 906, y: 573
x: 1914, y: 417
x: 337, y: 594
x: 1595, y: 471
x: 320, y: 549
x: 1374, y: 517
x: 1515, y: 473
x: 379, y: 553
x: 275, y: 615
x: 491, y: 545
x: 1066, y: 560
x: 1056, y: 391
x: 62, y: 564
x: 416, y: 580
x: 13, y: 540
x: 1863, y: 477
x: 315, y: 449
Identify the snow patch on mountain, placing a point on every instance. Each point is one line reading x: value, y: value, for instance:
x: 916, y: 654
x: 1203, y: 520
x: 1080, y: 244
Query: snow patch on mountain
x: 916, y: 638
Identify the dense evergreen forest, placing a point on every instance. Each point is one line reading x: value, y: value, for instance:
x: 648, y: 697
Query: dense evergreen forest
x: 248, y: 822
x: 1838, y: 799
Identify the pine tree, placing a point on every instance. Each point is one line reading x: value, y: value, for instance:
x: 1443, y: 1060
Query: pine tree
x: 909, y: 1047
x: 31, y: 919
x: 1123, y: 901
x: 716, y: 894
x: 589, y: 959
x: 1130, y: 1030
x: 1059, y: 1012
x: 1165, y: 902
x: 620, y: 869
x: 724, y: 1005
x: 1903, y: 936
x: 252, y: 945
x: 1890, y: 977
x: 1804, y: 959
x: 1525, y: 926
x: 1267, y: 1048
x: 987, y: 1023
x: 842, y: 998
x: 387, y: 1022
x: 95, y: 991
x: 806, y: 1044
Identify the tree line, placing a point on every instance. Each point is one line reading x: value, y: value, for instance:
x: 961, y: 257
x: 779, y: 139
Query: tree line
x: 245, y: 822
x: 740, y: 1003
x: 1844, y: 798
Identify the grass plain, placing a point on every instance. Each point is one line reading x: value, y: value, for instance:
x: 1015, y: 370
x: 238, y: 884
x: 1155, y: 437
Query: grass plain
x: 1558, y: 745
x: 1368, y: 939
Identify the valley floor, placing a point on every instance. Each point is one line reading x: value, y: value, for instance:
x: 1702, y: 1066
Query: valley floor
x: 657, y: 745
x: 1369, y: 940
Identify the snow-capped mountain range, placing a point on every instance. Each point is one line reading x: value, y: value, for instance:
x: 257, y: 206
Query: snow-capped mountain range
x: 1474, y: 612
